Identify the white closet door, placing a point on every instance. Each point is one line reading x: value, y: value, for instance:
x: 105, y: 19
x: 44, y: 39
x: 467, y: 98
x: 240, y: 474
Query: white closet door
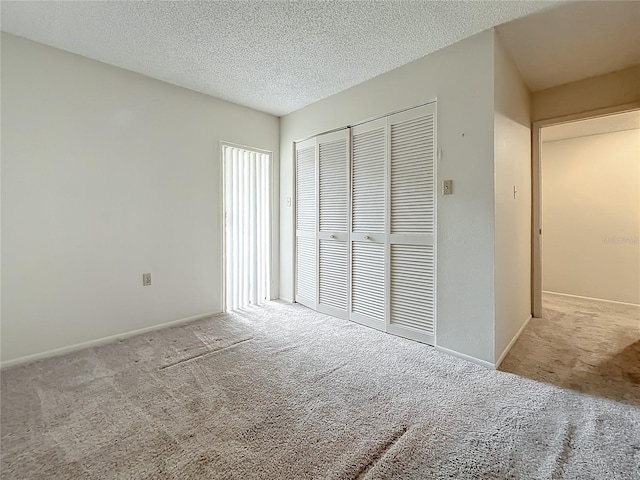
x: 333, y: 223
x: 412, y: 233
x: 306, y: 224
x: 368, y: 213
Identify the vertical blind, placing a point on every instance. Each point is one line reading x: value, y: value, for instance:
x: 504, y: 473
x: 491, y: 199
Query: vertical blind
x: 247, y: 227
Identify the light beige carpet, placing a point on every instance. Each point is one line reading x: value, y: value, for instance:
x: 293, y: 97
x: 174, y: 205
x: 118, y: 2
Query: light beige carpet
x: 286, y: 393
x: 586, y: 345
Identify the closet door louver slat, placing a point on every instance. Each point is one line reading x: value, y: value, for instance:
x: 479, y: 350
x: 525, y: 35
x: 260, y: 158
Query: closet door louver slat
x: 412, y: 287
x: 367, y: 291
x: 412, y: 177
x: 306, y: 269
x: 306, y: 189
x: 333, y: 274
x: 334, y: 185
x: 369, y: 153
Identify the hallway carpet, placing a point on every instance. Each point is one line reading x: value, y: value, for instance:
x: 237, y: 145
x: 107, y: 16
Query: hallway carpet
x: 586, y: 345
x: 286, y: 393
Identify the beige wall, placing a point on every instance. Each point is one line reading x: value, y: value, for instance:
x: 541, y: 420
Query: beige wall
x: 107, y: 174
x: 512, y: 168
x: 460, y: 77
x: 591, y: 216
x: 604, y: 91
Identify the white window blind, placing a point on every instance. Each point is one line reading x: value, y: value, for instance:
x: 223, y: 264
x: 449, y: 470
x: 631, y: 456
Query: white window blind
x: 247, y: 227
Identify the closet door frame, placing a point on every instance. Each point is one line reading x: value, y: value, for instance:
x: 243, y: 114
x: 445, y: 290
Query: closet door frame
x: 387, y: 238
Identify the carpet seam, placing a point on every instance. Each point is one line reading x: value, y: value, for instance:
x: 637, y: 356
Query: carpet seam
x: 379, y: 455
x: 205, y: 354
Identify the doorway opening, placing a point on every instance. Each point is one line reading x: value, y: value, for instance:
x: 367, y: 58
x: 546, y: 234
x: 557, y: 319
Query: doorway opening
x: 247, y: 226
x: 585, y: 207
x: 586, y: 256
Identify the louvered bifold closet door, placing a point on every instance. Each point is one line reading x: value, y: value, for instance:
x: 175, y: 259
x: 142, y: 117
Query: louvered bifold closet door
x: 368, y: 213
x: 333, y: 232
x: 411, y: 277
x: 306, y: 223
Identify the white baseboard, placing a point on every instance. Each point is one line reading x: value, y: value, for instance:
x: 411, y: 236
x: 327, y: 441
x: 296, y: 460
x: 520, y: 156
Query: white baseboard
x: 469, y: 358
x: 100, y: 341
x: 591, y: 298
x: 512, y: 342
x: 285, y: 299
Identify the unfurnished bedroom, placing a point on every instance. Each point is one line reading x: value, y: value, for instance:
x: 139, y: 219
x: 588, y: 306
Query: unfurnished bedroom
x: 320, y: 240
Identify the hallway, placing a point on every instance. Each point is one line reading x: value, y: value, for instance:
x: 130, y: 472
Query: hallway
x: 585, y: 345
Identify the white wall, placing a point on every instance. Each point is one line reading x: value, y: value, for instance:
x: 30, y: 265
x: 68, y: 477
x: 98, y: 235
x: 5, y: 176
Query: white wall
x: 591, y: 216
x: 461, y: 78
x: 604, y: 91
x: 107, y: 174
x: 513, y: 215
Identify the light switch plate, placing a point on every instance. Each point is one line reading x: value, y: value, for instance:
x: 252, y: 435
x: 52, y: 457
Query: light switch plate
x: 447, y: 187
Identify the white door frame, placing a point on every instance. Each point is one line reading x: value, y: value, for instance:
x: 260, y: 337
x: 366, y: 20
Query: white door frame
x: 536, y: 193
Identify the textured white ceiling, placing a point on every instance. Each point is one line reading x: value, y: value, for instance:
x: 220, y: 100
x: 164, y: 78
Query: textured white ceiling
x: 574, y: 41
x: 593, y: 126
x: 271, y: 56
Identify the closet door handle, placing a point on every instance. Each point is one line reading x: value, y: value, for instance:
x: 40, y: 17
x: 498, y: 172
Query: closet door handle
x: 367, y: 237
x: 332, y: 236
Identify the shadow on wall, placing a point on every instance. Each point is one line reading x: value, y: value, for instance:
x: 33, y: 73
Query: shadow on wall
x: 584, y: 345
